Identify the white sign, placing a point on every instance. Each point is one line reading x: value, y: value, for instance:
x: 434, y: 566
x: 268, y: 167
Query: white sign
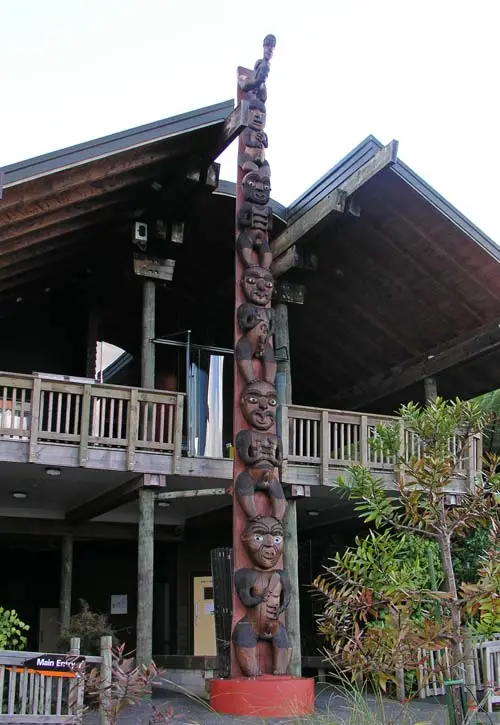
x: 119, y: 604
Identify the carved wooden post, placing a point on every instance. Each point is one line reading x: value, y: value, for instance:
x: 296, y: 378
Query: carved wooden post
x: 260, y: 651
x: 261, y: 588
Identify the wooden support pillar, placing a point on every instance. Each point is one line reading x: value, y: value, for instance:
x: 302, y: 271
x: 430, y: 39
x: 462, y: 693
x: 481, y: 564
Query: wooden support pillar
x: 92, y: 340
x: 148, y: 334
x: 66, y: 579
x: 430, y: 388
x: 290, y: 552
x: 145, y: 575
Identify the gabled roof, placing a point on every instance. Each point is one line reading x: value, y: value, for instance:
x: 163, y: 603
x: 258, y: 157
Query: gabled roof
x: 132, y: 138
x: 56, y: 206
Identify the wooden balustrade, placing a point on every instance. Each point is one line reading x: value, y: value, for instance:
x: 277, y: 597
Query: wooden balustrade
x: 89, y: 415
x: 337, y: 439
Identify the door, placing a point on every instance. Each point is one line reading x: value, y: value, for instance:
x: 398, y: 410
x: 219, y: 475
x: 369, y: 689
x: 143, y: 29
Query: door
x: 204, y: 620
x: 49, y: 630
x: 161, y: 619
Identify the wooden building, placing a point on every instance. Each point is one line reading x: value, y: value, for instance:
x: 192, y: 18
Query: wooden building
x: 389, y: 293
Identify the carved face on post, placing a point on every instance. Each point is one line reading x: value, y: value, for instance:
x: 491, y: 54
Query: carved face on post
x: 263, y: 542
x: 257, y: 115
x: 269, y: 46
x: 258, y: 405
x: 256, y: 188
x: 258, y: 285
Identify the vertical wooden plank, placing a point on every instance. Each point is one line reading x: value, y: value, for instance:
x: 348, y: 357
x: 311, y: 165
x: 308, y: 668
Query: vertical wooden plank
x: 60, y: 681
x: 111, y: 425
x: 179, y: 417
x: 106, y: 681
x: 36, y: 694
x: 69, y: 400
x: 119, y: 433
x: 301, y: 437
x: 162, y: 423
x: 76, y: 422
x: 285, y: 423
x: 153, y: 426
x: 49, y: 411
x: 85, y: 425
x: 35, y: 419
x: 102, y: 425
x: 363, y: 441
x: 11, y: 701
x: 23, y: 691
x: 48, y: 696
x: 59, y: 412
x: 132, y: 426
x: 325, y: 447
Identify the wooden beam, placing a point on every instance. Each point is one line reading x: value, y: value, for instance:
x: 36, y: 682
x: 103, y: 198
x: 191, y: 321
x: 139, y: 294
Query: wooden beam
x: 466, y: 347
x: 93, y: 172
x: 193, y: 493
x: 105, y: 502
x: 295, y: 256
x: 53, y: 215
x: 23, y: 527
x: 334, y: 202
x: 42, y: 235
x: 46, y: 257
x: 154, y: 269
x: 233, y: 126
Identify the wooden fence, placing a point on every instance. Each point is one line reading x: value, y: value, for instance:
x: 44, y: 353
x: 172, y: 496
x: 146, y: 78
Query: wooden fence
x: 28, y: 696
x: 88, y: 415
x: 336, y: 439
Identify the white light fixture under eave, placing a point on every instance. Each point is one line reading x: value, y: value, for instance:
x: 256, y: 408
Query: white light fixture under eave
x: 163, y: 504
x: 20, y: 495
x: 313, y: 513
x: 53, y: 471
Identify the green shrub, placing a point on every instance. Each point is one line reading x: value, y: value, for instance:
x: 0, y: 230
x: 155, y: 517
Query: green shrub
x: 89, y: 627
x: 11, y: 630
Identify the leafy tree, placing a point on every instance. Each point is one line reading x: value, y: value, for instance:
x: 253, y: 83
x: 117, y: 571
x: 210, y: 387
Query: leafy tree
x: 372, y: 589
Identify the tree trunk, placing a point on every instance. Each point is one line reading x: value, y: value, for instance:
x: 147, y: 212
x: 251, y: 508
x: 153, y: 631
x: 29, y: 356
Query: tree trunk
x: 444, y: 542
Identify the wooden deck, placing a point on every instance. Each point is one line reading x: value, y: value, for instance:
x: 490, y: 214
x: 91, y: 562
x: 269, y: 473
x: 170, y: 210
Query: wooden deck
x: 84, y: 424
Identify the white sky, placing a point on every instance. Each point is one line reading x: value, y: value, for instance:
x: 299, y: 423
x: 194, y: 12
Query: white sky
x: 422, y: 71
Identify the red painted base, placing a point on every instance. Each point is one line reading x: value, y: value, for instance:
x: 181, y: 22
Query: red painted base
x: 266, y: 696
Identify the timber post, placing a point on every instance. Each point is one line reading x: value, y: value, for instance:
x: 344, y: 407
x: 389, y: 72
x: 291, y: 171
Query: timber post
x: 148, y: 334
x: 260, y: 646
x: 430, y: 389
x: 291, y: 548
x: 66, y: 580
x: 146, y: 534
x: 145, y: 576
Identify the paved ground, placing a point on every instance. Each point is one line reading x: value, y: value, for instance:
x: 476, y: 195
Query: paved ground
x: 332, y: 708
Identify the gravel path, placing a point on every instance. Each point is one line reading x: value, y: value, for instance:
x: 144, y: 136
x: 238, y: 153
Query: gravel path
x: 332, y: 708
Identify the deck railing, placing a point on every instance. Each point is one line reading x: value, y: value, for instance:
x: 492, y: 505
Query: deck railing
x: 337, y: 439
x: 89, y: 415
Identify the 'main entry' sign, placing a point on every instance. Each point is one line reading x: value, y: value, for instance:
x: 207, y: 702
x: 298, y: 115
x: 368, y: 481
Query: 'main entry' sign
x: 54, y: 664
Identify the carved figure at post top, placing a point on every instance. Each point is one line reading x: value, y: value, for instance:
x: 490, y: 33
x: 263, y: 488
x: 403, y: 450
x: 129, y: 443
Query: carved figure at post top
x: 265, y: 592
x: 256, y: 83
x: 261, y: 477
x: 258, y: 285
x: 258, y: 404
x: 255, y: 345
x: 255, y: 140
